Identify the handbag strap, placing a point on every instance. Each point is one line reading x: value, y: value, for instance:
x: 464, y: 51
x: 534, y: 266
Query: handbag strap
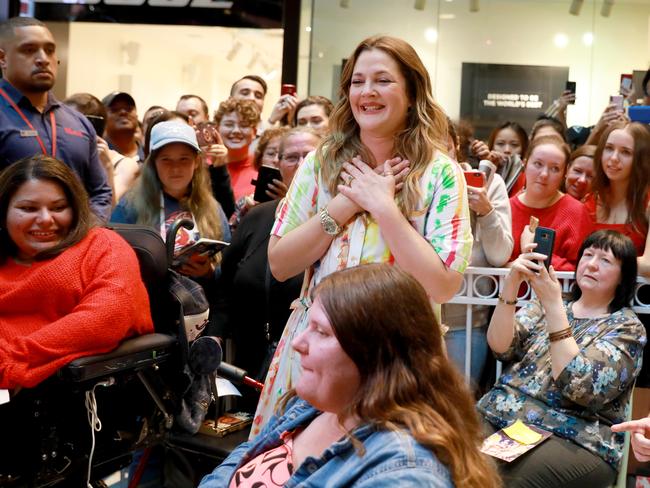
x: 267, y: 296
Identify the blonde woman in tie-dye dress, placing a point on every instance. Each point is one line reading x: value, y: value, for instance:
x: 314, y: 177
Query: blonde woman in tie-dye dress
x: 379, y: 189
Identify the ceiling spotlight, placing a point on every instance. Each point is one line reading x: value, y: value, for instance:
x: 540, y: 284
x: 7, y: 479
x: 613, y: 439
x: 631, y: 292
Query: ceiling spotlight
x: 344, y: 3
x: 576, y: 6
x: 419, y: 4
x: 606, y: 9
x: 474, y: 5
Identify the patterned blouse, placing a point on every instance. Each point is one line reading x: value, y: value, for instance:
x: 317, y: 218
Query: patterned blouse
x: 592, y: 392
x: 444, y: 221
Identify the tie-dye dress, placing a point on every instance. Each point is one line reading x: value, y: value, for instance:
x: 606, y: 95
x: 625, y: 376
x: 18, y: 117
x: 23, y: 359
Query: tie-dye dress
x: 444, y: 222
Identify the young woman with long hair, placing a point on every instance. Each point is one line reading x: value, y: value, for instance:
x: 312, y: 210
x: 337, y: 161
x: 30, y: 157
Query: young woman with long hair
x: 175, y: 184
x: 619, y: 198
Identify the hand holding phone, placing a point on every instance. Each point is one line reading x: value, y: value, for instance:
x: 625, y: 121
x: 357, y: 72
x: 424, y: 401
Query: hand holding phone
x: 265, y: 177
x: 571, y: 88
x: 207, y: 134
x: 626, y: 84
x: 202, y: 247
x: 288, y: 89
x: 475, y: 178
x: 545, y: 240
x: 617, y: 101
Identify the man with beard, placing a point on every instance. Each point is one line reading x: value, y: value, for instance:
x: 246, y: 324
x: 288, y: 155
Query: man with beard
x: 122, y: 125
x: 33, y: 121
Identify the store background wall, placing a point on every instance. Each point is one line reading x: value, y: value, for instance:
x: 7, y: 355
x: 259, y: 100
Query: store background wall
x: 159, y: 63
x: 445, y: 34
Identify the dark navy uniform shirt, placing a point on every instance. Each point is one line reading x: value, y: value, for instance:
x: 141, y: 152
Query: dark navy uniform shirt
x: 76, y: 143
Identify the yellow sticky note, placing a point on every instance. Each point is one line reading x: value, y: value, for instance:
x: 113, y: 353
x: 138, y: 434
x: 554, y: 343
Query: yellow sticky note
x: 521, y: 433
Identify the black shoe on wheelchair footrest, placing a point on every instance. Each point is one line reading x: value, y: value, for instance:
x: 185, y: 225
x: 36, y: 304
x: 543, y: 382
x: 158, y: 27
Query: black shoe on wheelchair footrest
x: 133, y: 354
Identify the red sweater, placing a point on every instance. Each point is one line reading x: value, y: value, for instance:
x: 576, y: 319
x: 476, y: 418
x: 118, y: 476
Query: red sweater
x: 638, y: 237
x: 241, y: 174
x: 82, y: 302
x: 568, y: 217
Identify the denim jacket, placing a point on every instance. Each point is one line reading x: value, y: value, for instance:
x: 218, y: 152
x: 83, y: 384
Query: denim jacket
x: 392, y: 458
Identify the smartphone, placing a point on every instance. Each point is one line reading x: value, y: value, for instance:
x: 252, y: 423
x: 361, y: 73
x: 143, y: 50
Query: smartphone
x: 288, y: 89
x: 626, y: 82
x: 202, y: 247
x: 207, y: 134
x: 98, y: 123
x: 265, y: 176
x: 545, y: 239
x: 618, y: 101
x: 488, y: 169
x: 571, y: 86
x: 475, y: 178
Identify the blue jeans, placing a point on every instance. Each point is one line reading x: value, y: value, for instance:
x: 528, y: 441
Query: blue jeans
x: 455, y: 342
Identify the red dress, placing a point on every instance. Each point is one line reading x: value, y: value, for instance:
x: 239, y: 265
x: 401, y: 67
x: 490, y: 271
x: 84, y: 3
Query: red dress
x: 638, y: 237
x: 568, y: 217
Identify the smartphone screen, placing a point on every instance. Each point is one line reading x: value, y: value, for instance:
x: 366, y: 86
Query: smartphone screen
x: 571, y: 86
x: 545, y: 239
x: 626, y: 82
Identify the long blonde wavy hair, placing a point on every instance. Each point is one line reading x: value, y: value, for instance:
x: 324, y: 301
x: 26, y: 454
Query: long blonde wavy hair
x: 145, y: 198
x: 425, y: 129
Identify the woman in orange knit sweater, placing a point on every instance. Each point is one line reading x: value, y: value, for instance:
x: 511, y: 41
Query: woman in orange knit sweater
x: 67, y: 288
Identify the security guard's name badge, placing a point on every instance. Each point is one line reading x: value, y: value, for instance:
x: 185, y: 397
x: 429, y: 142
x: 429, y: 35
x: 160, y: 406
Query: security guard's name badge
x: 28, y: 133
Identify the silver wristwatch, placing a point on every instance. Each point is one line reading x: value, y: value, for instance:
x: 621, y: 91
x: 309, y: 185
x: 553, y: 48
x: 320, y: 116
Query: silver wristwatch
x: 328, y: 223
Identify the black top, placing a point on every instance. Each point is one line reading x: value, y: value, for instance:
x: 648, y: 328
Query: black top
x: 243, y: 273
x: 222, y: 189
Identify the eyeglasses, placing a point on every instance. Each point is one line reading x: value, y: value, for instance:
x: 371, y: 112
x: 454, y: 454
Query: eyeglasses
x: 294, y: 158
x: 231, y: 126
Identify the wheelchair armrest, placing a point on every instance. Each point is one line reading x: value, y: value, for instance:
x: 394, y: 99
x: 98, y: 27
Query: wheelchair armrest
x: 133, y: 354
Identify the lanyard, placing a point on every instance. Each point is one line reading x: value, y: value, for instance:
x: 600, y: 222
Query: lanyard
x: 38, y: 137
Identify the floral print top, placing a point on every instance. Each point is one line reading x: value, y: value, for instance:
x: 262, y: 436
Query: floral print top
x: 592, y: 392
x: 444, y: 221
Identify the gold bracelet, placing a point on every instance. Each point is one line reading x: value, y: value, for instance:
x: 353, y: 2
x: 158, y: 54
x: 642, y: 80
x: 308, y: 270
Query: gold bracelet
x: 507, y: 302
x: 560, y: 334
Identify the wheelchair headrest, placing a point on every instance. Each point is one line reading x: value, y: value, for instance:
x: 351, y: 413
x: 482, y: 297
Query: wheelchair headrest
x: 152, y: 257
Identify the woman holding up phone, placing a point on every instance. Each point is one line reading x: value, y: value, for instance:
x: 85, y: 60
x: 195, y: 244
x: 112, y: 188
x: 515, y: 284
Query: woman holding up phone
x: 619, y: 199
x: 380, y: 188
x: 546, y: 164
x: 570, y: 364
x: 174, y: 184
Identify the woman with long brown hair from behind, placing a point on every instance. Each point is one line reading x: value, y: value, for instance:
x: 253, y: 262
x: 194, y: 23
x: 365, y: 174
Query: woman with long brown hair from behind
x: 378, y: 403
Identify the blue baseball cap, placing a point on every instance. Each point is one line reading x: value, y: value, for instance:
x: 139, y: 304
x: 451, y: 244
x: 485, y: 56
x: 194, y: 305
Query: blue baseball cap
x: 171, y: 131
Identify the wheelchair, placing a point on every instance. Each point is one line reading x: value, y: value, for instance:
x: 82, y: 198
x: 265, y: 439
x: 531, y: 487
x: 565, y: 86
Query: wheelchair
x: 85, y: 422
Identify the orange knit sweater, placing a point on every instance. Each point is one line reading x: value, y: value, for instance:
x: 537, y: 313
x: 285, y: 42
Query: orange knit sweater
x: 82, y: 302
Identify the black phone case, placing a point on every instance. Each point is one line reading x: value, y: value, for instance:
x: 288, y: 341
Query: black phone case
x: 545, y: 239
x: 265, y: 176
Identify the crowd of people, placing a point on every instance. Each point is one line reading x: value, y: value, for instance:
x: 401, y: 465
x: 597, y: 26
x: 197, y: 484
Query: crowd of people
x: 334, y: 288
